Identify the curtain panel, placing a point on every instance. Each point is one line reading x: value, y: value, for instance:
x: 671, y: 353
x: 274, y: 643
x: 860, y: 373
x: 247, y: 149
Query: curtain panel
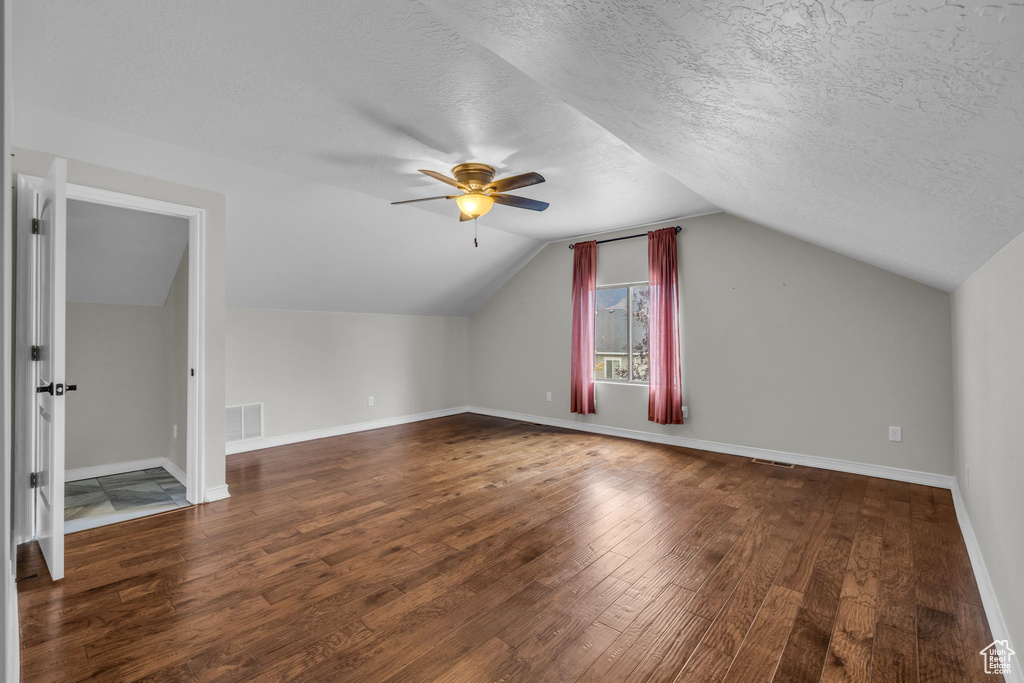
x: 665, y: 401
x: 584, y: 294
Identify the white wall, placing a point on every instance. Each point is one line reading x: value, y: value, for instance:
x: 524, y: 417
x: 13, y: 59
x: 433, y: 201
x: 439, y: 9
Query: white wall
x: 315, y: 370
x: 175, y: 365
x: 988, y: 343
x: 115, y: 355
x: 787, y: 346
x: 131, y: 367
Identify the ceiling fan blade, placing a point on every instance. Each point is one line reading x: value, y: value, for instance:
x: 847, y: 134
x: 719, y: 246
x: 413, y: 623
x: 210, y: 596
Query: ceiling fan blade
x: 464, y: 217
x: 515, y: 182
x: 444, y: 179
x: 519, y: 202
x: 425, y: 199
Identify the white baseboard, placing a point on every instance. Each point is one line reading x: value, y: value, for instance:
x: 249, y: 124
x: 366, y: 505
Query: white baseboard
x: 122, y: 467
x: 942, y: 481
x: 996, y: 621
x: 174, y: 471
x: 272, y: 441
x: 12, y: 648
x: 216, y: 493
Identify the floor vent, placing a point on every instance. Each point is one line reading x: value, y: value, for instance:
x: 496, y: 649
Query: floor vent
x: 244, y: 422
x: 787, y: 465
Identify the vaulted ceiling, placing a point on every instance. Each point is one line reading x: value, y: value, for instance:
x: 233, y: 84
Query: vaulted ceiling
x: 890, y: 132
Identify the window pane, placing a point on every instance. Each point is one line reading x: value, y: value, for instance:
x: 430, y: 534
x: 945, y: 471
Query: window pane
x: 641, y: 332
x: 611, y: 332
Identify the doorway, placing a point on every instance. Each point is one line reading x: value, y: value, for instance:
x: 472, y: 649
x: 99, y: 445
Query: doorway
x: 126, y: 339
x: 46, y: 394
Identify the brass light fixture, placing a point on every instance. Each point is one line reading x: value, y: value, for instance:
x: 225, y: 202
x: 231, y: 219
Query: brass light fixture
x: 482, y: 191
x: 474, y: 204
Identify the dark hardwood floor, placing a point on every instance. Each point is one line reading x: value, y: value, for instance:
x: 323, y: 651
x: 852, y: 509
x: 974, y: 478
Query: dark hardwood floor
x: 473, y: 548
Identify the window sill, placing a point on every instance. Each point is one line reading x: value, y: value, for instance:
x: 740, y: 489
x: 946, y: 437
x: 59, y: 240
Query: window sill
x: 621, y: 383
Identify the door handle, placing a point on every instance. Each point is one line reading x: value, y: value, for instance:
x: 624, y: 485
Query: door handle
x: 71, y: 387
x: 48, y: 389
x: 53, y: 389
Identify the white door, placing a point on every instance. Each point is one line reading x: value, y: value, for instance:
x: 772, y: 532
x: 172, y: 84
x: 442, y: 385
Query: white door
x: 42, y: 275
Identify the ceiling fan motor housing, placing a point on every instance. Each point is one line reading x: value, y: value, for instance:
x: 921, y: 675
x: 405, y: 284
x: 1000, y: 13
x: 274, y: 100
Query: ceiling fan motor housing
x: 474, y: 176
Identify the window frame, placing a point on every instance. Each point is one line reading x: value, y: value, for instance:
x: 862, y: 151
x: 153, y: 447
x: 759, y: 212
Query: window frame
x: 628, y: 286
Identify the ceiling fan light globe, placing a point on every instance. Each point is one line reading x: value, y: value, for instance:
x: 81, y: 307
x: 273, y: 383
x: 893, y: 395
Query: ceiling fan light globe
x: 474, y: 204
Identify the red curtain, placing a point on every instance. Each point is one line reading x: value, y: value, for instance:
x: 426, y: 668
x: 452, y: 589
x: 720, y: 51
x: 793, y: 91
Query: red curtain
x: 584, y: 293
x: 665, y: 403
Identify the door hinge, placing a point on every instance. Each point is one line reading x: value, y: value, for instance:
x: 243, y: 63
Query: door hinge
x: 35, y: 226
x: 34, y: 480
x: 36, y: 352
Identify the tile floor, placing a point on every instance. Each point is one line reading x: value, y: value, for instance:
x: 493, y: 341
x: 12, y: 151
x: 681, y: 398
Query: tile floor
x: 114, y: 498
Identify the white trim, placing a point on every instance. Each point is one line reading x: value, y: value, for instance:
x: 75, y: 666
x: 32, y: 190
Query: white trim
x: 942, y: 481
x: 912, y: 476
x: 195, y: 422
x: 175, y: 471
x: 12, y: 634
x: 122, y: 467
x: 272, y: 441
x: 217, y: 493
x: 10, y: 649
x: 994, y: 613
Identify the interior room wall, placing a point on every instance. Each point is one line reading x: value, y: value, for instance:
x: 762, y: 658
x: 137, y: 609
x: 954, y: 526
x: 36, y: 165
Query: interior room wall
x: 214, y: 296
x: 787, y: 346
x: 175, y: 366
x: 316, y: 370
x: 115, y: 354
x: 988, y: 344
x: 131, y: 367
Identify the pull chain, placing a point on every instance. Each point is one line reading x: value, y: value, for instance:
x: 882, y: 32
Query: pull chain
x: 475, y: 230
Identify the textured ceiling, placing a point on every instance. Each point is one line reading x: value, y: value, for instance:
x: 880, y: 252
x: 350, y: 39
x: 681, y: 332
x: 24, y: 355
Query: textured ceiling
x: 356, y: 94
x: 889, y: 131
x: 121, y: 256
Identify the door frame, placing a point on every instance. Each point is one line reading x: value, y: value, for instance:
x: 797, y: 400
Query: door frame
x: 195, y: 472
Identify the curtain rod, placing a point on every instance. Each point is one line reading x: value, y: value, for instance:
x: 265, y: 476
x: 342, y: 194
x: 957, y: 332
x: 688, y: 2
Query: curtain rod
x: 627, y: 237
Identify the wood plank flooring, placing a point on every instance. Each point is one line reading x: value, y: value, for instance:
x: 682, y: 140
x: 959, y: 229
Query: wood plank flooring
x: 473, y: 548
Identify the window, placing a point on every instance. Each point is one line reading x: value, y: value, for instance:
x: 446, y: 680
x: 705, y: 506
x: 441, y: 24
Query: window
x: 621, y: 325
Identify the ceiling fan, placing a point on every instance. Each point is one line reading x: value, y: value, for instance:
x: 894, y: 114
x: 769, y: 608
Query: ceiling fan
x: 481, y: 191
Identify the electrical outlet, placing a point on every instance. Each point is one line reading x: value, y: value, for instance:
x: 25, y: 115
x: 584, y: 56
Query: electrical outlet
x: 895, y: 433
x: 686, y: 412
x: 174, y: 432
x: 369, y: 400
x: 549, y: 397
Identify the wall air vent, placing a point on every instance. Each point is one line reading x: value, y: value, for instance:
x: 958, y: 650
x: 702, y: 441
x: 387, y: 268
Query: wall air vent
x: 244, y: 422
x: 787, y: 465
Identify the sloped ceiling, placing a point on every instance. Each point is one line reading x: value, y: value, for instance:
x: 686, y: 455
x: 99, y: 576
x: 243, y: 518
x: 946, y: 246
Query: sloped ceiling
x: 892, y: 132
x: 121, y: 256
x: 357, y: 94
x: 887, y: 131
